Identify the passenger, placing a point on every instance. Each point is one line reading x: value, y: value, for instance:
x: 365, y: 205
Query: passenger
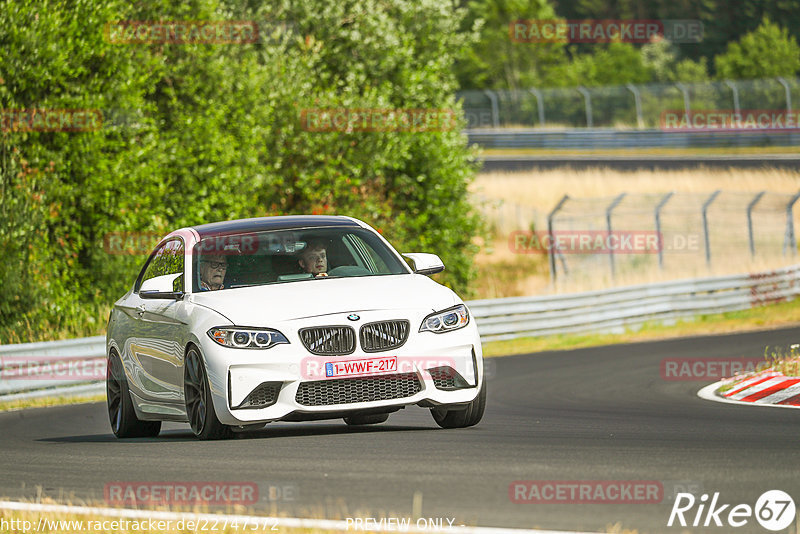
x: 212, y: 272
x: 314, y: 259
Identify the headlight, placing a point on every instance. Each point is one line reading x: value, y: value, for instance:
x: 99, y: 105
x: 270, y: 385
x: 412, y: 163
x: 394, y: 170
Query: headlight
x: 247, y: 338
x: 446, y: 321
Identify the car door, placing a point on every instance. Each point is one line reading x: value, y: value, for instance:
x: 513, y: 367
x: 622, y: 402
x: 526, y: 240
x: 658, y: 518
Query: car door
x: 161, y: 330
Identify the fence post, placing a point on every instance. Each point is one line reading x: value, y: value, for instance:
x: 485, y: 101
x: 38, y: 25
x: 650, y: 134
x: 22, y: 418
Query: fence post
x: 609, y: 209
x: 637, y: 102
x: 687, y: 108
x: 495, y: 107
x: 588, y: 99
x: 539, y: 104
x: 706, y: 204
x: 660, y: 205
x: 785, y: 85
x: 552, y: 251
x: 750, y: 222
x: 735, y: 92
x: 789, y: 240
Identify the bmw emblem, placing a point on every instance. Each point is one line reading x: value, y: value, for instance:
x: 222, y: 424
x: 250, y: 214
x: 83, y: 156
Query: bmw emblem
x: 353, y: 317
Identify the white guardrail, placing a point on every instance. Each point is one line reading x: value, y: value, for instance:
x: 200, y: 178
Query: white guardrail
x: 78, y: 365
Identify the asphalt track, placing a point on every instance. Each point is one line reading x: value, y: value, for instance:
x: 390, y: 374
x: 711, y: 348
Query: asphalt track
x: 591, y: 414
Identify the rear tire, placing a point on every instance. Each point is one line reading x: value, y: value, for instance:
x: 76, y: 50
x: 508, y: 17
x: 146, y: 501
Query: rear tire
x: 373, y: 419
x: 199, y: 402
x: 121, y: 414
x: 462, y: 417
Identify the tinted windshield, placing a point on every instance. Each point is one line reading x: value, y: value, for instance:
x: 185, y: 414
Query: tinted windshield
x: 258, y: 258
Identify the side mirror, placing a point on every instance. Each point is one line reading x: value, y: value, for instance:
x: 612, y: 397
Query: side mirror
x: 424, y: 263
x: 160, y: 287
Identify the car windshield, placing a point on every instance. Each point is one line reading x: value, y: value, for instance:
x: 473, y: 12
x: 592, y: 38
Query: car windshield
x: 229, y: 261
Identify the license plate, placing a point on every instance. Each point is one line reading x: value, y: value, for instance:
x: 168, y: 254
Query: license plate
x: 371, y: 366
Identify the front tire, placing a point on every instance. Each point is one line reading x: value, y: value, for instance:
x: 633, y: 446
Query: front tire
x: 199, y: 403
x: 462, y: 417
x: 121, y: 414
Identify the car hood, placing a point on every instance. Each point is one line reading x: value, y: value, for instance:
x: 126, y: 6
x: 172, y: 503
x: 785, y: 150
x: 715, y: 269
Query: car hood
x: 262, y: 305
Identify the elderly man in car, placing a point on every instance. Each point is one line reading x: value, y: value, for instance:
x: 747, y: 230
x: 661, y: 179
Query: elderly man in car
x: 212, y: 272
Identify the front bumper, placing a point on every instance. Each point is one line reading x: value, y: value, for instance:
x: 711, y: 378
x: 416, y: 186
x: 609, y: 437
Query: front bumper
x: 278, y: 374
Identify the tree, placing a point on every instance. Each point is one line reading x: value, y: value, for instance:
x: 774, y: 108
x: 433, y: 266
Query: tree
x: 197, y: 133
x: 495, y: 60
x: 766, y: 52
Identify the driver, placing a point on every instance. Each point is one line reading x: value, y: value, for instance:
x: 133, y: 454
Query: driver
x: 212, y: 272
x: 314, y: 259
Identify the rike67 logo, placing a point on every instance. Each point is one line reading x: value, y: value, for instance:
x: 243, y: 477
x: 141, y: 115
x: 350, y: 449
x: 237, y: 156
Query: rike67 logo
x: 774, y: 510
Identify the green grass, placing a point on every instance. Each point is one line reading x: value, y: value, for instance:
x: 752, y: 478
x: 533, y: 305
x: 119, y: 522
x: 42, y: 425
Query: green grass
x: 762, y: 318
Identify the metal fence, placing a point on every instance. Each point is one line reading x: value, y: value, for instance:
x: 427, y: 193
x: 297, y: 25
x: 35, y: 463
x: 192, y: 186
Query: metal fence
x: 622, y: 107
x: 609, y: 310
x: 679, y: 234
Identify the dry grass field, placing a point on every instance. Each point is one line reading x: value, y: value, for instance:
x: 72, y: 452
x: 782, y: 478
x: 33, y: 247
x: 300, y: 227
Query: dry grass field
x: 515, y: 200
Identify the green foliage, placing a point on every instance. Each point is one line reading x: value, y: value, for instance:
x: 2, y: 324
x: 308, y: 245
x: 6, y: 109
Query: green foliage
x: 661, y: 58
x: 613, y: 64
x: 766, y: 52
x: 495, y: 60
x: 197, y: 133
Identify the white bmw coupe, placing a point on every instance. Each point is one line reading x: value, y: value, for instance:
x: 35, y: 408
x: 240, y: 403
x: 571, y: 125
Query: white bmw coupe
x: 235, y: 324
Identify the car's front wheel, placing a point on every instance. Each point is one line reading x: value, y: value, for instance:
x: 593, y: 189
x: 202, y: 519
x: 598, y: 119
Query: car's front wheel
x: 121, y: 414
x: 462, y: 417
x: 199, y: 404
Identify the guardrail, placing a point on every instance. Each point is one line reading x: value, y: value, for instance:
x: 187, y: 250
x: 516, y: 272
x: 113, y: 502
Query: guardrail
x: 608, y: 310
x: 610, y: 138
x: 611, y: 310
x: 51, y: 367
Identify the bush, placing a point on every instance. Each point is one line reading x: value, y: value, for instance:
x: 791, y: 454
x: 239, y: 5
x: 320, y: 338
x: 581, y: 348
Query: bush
x: 206, y: 132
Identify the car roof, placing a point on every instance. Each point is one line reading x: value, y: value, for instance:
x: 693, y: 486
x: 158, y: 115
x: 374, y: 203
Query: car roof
x: 284, y: 222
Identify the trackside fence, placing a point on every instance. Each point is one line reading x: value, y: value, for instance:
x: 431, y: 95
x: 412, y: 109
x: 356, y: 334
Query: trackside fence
x: 609, y: 310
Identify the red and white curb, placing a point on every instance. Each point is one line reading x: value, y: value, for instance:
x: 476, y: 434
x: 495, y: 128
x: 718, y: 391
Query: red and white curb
x: 767, y: 388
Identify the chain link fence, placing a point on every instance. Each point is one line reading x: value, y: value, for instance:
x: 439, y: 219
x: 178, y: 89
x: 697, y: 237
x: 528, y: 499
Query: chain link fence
x: 622, y: 107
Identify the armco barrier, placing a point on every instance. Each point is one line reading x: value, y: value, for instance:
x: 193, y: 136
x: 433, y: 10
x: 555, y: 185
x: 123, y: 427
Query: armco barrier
x: 613, y: 309
x: 609, y: 138
x: 88, y: 350
x: 607, y: 310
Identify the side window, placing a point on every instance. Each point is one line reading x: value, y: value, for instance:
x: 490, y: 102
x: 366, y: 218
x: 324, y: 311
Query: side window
x: 367, y: 254
x: 168, y: 259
